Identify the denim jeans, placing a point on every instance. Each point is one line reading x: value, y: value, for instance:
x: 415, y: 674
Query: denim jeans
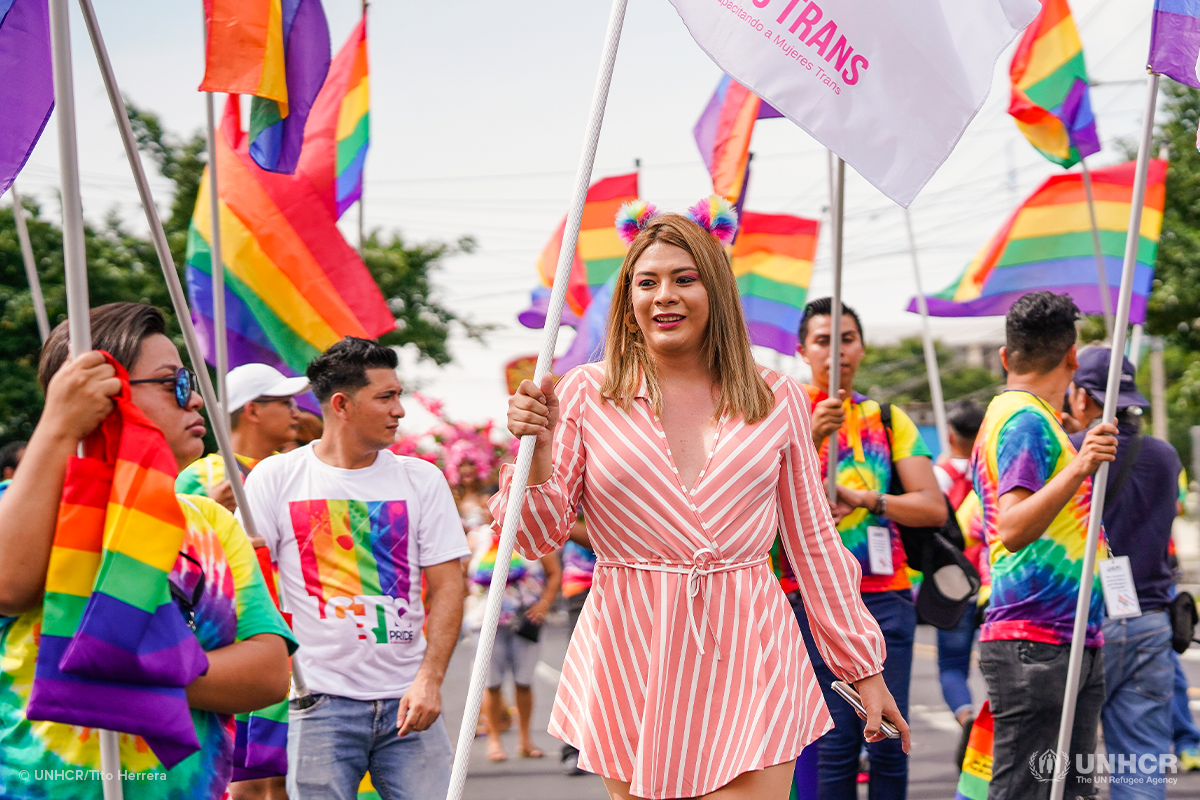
x: 1183, y: 728
x: 954, y: 661
x: 1026, y: 682
x: 1137, y: 710
x: 333, y: 743
x: 839, y: 749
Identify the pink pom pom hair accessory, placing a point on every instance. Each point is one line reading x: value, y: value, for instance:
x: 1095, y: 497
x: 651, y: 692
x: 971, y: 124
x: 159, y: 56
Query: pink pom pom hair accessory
x: 716, y: 215
x: 632, y: 219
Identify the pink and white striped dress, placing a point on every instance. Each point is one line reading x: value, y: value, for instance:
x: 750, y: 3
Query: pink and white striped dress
x: 687, y: 667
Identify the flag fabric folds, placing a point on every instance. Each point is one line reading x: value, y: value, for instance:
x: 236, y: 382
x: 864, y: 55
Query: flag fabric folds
x: 115, y: 651
x: 773, y: 261
x: 293, y: 286
x: 598, y: 254
x: 27, y: 91
x: 723, y: 135
x: 976, y: 773
x: 277, y: 51
x: 889, y: 87
x: 1050, y: 99
x: 338, y: 130
x: 1047, y: 244
x: 1175, y: 40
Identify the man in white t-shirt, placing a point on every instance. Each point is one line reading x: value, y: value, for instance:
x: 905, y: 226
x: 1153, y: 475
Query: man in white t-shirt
x: 354, y: 528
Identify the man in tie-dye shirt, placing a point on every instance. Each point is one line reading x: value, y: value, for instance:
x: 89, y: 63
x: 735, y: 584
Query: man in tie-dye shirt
x: 1035, y: 493
x: 869, y: 504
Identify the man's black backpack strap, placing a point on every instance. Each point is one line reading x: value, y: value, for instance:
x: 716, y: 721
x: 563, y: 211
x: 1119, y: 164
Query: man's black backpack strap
x: 1127, y: 464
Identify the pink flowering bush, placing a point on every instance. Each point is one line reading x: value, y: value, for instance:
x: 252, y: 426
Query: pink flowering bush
x: 465, y: 453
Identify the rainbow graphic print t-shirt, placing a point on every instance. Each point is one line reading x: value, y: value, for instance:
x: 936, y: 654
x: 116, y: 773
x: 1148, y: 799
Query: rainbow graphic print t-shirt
x: 1022, y: 445
x: 52, y: 760
x: 865, y: 458
x: 350, y: 545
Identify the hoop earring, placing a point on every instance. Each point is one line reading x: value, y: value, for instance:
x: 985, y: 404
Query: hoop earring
x: 631, y: 324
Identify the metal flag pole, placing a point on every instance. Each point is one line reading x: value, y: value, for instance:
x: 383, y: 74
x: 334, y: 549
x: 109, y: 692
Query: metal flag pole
x: 1101, y: 274
x: 837, y: 206
x: 79, y: 324
x: 220, y: 339
x: 35, y: 285
x: 219, y: 420
x: 931, y: 363
x: 516, y: 494
x: 1100, y: 481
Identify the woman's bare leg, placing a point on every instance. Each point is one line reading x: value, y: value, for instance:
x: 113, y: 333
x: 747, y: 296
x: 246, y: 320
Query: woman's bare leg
x: 772, y: 783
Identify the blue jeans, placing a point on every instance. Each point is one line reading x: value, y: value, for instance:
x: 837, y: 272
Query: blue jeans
x: 1137, y: 705
x: 1183, y: 728
x: 332, y: 744
x: 954, y: 661
x: 838, y: 750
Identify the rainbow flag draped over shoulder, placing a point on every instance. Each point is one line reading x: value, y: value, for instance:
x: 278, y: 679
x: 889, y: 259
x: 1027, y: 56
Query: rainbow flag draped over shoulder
x: 293, y: 286
x: 598, y: 254
x: 115, y: 651
x: 773, y: 260
x: 977, y: 764
x: 338, y: 131
x: 1047, y: 244
x: 277, y: 51
x: 723, y: 135
x: 1050, y: 99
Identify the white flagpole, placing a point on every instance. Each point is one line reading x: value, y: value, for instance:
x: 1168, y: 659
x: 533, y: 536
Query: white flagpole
x: 219, y: 420
x: 1101, y: 274
x: 837, y: 205
x: 217, y: 264
x: 931, y: 364
x: 516, y: 494
x: 31, y: 275
x: 1100, y: 481
x: 79, y: 324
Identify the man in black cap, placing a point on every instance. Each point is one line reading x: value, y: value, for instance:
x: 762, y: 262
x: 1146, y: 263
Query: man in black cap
x: 1139, y: 508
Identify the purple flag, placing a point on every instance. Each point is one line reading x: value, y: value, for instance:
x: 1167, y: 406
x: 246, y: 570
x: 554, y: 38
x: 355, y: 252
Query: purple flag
x: 27, y: 88
x: 1175, y: 40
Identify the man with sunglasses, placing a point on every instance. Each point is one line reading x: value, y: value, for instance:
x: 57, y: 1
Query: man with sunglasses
x: 263, y: 417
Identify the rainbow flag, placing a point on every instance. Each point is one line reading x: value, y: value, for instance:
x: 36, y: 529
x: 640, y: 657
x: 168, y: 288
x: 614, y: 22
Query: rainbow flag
x: 773, y: 260
x: 977, y: 764
x: 1175, y: 40
x: 338, y: 130
x: 293, y: 286
x: 1050, y: 99
x: 27, y: 91
x: 115, y: 652
x: 723, y: 135
x: 598, y: 255
x: 277, y: 51
x: 1047, y: 244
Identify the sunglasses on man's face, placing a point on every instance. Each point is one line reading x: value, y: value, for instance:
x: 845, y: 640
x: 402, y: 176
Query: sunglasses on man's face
x: 185, y: 384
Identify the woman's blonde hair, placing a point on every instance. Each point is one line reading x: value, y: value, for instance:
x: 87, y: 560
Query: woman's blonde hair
x: 727, y: 347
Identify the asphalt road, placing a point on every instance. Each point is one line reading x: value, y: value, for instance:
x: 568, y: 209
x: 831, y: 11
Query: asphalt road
x: 932, y: 775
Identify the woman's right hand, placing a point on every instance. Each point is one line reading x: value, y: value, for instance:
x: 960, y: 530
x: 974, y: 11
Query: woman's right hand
x: 78, y: 397
x: 534, y: 410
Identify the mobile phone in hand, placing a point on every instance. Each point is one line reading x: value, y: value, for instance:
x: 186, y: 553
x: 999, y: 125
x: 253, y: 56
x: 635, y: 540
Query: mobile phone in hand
x: 851, y: 696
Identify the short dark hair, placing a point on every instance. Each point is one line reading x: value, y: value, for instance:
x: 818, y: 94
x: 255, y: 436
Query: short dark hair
x: 1039, y: 330
x: 823, y: 307
x: 117, y: 328
x: 10, y: 455
x: 344, y: 366
x: 966, y: 418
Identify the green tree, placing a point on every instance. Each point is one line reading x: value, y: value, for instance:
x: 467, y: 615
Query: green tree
x: 896, y: 373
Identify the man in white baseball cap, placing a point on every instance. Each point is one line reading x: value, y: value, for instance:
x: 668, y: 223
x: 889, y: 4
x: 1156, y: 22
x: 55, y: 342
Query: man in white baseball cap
x: 263, y: 417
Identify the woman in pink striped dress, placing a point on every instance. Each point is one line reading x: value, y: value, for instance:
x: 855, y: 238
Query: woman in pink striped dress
x: 686, y: 676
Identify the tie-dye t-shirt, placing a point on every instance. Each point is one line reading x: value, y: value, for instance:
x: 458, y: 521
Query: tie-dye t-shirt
x: 52, y: 760
x: 578, y: 563
x: 970, y: 522
x: 865, y: 460
x: 1022, y: 445
x: 526, y: 582
x: 351, y: 545
x: 204, y: 473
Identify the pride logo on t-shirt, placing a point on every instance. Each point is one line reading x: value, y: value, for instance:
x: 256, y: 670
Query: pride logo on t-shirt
x: 352, y: 549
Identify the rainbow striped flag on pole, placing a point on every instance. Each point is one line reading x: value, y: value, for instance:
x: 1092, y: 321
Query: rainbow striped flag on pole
x: 293, y: 286
x: 977, y: 764
x: 115, y: 653
x: 1175, y: 40
x: 1047, y: 244
x: 1050, y: 99
x: 723, y: 135
x: 277, y: 51
x: 339, y: 127
x: 773, y: 260
x: 27, y: 91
